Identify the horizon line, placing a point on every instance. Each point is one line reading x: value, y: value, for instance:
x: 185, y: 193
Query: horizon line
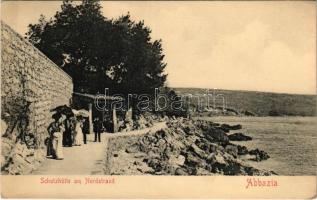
x: 242, y: 90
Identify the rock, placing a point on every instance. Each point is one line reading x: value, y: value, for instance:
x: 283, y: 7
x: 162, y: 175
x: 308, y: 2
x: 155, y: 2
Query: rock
x: 191, y: 170
x: 181, y: 171
x: 161, y: 143
x: 202, y: 171
x: 169, y: 169
x: 139, y: 155
x: 231, y: 127
x: 4, y: 127
x: 155, y: 164
x: 232, y: 150
x: 191, y: 160
x: 259, y: 155
x: 198, y: 151
x: 140, y: 170
x: 6, y: 146
x: 13, y: 170
x: 132, y: 149
x: 202, y: 144
x: 189, y: 128
x: 216, y: 158
x: 180, y: 160
x: 215, y: 124
x: 248, y: 113
x: 29, y: 160
x: 189, y: 147
x: 30, y: 140
x: 251, y: 171
x: 242, y: 150
x: 188, y: 141
x: 215, y: 147
x: 40, y: 155
x: 153, y: 154
x: 217, y: 135
x: 191, y: 139
x: 236, y: 127
x: 140, y: 123
x: 3, y: 161
x: 137, y: 163
x: 224, y: 129
x: 239, y: 137
x: 204, y: 125
x: 178, y: 145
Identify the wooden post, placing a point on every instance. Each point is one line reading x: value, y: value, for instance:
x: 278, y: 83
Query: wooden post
x: 103, y: 115
x: 114, y: 120
x: 128, y: 115
x: 91, y: 130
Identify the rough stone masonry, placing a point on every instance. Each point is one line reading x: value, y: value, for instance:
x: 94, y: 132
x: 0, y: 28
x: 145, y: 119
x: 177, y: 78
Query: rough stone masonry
x: 31, y: 85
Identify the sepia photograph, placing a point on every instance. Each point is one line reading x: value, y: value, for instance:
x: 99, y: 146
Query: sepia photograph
x: 106, y: 89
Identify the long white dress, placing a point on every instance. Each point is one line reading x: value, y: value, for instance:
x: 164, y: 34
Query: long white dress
x: 56, y: 141
x: 57, y: 145
x: 78, y: 138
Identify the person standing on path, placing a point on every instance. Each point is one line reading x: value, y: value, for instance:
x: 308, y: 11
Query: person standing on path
x: 97, y: 129
x: 56, y: 130
x: 85, y: 129
x: 78, y: 139
x: 67, y: 139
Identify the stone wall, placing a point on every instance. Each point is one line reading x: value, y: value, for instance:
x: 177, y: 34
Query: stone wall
x: 31, y: 86
x: 119, y: 142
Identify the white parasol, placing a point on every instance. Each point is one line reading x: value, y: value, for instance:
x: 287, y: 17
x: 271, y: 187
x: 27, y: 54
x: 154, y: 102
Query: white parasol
x: 82, y: 112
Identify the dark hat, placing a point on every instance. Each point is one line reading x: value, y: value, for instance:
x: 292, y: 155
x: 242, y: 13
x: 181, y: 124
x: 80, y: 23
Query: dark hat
x: 56, y: 116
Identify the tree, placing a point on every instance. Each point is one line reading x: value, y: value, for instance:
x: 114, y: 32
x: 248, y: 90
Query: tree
x: 98, y: 52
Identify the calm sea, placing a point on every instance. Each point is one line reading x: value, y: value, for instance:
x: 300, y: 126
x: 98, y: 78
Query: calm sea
x: 290, y: 141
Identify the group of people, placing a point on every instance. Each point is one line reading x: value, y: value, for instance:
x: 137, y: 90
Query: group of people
x: 68, y: 132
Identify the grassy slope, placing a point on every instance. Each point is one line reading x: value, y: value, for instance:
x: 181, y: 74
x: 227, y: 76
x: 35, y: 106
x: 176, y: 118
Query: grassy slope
x: 261, y: 103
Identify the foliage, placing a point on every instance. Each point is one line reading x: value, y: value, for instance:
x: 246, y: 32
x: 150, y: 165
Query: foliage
x: 98, y: 52
x: 173, y: 105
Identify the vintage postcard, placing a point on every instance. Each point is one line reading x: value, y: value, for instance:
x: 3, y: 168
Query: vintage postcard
x: 158, y: 99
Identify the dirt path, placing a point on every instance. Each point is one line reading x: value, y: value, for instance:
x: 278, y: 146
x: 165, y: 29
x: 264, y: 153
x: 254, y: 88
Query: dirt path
x: 155, y: 127
x: 78, y: 160
x: 86, y: 159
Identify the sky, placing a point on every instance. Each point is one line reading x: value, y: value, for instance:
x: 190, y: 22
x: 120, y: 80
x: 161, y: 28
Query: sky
x: 257, y: 45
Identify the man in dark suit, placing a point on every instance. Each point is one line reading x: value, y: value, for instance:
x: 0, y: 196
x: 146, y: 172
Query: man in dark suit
x: 97, y: 129
x: 85, y: 130
x: 67, y: 136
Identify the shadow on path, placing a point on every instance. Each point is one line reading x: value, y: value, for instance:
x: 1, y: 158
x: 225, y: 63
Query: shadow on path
x: 86, y: 159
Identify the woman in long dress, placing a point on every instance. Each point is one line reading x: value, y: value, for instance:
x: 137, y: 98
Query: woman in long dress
x: 78, y: 137
x: 56, y: 130
x: 58, y: 145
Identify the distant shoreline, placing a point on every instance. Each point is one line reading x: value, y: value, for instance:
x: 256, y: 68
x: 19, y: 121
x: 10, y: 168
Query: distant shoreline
x: 257, y: 103
x: 239, y: 90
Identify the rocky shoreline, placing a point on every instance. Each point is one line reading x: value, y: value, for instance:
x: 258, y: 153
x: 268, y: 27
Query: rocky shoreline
x: 185, y: 147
